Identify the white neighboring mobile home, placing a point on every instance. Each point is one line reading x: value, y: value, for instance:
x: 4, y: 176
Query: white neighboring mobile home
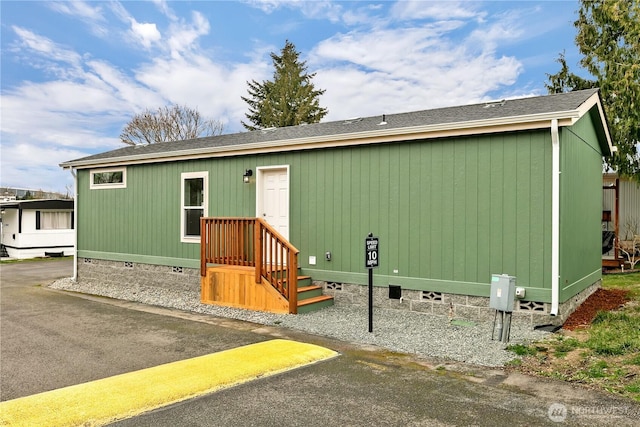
x: 36, y: 228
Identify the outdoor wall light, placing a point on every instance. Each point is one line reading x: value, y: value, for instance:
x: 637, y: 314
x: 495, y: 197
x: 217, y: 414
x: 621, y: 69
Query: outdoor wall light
x: 248, y: 173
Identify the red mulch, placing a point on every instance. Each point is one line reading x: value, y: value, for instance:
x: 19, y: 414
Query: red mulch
x: 600, y: 300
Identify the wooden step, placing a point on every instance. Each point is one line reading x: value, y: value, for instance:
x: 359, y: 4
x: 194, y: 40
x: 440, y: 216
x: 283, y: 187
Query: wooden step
x: 313, y: 304
x: 307, y: 292
x: 304, y: 281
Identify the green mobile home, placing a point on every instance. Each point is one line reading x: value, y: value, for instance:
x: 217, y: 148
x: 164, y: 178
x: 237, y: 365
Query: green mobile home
x: 454, y: 195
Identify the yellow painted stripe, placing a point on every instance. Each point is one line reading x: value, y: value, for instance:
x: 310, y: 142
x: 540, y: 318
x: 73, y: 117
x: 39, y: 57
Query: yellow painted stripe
x: 123, y: 396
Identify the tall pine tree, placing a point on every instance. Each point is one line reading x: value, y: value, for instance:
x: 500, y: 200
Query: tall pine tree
x: 287, y: 100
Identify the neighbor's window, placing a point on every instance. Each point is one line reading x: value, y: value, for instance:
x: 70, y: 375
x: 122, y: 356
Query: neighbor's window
x: 54, y: 220
x: 194, y: 204
x: 108, y: 178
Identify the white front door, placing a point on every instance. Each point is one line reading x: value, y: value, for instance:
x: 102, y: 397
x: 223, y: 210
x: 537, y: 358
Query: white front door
x: 273, y: 197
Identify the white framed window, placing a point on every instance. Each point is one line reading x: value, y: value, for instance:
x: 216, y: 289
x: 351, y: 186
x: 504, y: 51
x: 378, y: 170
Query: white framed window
x: 194, y: 203
x: 108, y: 178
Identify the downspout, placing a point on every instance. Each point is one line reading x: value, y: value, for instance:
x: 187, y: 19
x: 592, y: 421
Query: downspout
x: 555, y: 217
x: 75, y: 224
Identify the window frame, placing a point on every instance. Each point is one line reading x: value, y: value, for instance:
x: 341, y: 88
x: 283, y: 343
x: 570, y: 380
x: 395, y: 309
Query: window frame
x: 40, y: 220
x: 204, y: 175
x: 122, y: 184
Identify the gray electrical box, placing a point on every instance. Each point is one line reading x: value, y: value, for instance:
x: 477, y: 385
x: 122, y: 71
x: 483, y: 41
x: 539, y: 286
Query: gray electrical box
x: 503, y: 290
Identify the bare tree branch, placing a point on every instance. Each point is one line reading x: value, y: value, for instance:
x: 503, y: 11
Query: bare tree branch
x: 175, y: 123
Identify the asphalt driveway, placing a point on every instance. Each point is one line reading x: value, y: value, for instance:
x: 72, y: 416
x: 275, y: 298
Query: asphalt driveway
x: 51, y: 339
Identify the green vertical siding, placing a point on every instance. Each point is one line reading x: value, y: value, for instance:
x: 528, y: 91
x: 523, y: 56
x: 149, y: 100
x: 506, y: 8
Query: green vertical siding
x: 580, y: 208
x: 448, y: 212
x: 143, y: 219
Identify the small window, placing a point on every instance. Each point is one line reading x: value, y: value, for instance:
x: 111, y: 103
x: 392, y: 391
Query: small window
x: 109, y: 178
x: 194, y: 205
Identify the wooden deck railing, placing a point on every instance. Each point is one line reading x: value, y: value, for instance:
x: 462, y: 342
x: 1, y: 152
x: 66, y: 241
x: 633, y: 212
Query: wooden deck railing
x: 227, y: 241
x: 251, y: 242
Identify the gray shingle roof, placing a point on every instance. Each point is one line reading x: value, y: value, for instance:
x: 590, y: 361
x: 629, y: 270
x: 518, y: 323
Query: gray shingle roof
x: 555, y: 103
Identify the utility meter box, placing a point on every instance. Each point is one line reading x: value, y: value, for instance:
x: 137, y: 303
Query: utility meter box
x: 503, y: 290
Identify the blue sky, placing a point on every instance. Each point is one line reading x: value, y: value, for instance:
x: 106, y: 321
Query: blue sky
x: 74, y: 73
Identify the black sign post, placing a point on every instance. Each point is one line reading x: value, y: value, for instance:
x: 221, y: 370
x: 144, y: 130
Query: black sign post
x: 371, y: 245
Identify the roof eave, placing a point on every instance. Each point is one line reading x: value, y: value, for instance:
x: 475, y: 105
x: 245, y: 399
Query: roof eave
x: 513, y: 123
x: 38, y: 204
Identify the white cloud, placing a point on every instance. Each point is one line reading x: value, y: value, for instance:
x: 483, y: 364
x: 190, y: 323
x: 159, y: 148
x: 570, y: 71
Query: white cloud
x: 438, y: 10
x: 212, y: 88
x: 392, y: 50
x: 328, y: 10
x: 36, y: 166
x: 317, y: 9
x: 90, y: 14
x: 120, y: 12
x: 69, y: 116
x: 505, y: 30
x: 411, y: 68
x: 184, y: 35
x: 78, y: 8
x: 490, y: 38
x: 40, y: 130
x: 166, y: 10
x: 44, y: 47
x: 355, y: 92
x: 131, y: 94
x: 146, y: 33
x: 268, y: 6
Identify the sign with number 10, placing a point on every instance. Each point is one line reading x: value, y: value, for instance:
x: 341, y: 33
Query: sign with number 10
x: 371, y: 252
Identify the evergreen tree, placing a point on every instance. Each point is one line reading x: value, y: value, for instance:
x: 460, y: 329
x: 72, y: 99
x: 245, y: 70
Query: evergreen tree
x: 287, y: 100
x: 609, y: 39
x: 565, y: 81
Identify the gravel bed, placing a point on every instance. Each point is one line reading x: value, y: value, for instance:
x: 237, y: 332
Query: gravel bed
x: 396, y: 330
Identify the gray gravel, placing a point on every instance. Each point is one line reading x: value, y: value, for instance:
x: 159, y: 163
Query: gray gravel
x: 401, y: 331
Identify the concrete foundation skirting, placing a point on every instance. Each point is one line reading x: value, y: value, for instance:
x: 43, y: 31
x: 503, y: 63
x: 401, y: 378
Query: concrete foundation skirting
x: 91, y: 270
x: 528, y: 313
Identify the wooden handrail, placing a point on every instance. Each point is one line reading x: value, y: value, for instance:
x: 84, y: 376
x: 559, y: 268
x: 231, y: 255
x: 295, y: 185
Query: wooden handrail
x: 251, y: 242
x: 277, y: 262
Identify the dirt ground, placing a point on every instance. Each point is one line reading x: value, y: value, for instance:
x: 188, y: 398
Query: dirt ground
x: 601, y: 300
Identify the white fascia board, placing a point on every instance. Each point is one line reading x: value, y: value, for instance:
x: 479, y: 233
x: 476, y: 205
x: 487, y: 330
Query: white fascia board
x: 474, y: 127
x: 587, y: 105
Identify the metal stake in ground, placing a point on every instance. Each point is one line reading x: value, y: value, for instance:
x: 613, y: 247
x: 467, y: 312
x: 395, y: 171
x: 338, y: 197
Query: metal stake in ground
x: 371, y: 245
